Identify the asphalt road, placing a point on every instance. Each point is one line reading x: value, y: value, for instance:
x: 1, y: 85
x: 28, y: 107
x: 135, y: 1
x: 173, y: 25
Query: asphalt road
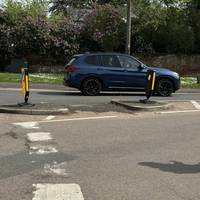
x: 108, y: 155
x: 11, y: 94
x: 124, y: 157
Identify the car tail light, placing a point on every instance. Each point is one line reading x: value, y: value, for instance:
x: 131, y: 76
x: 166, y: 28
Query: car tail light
x: 72, y: 69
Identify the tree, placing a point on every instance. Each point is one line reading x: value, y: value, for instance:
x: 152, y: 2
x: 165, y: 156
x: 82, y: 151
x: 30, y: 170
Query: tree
x: 65, y: 6
x: 104, y: 28
x: 193, y: 8
x: 17, y: 10
x: 64, y: 40
x: 161, y: 26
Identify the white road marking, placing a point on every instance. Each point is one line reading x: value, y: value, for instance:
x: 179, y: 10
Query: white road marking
x: 57, y: 192
x: 183, y: 93
x: 174, y: 100
x: 39, y: 136
x: 81, y: 105
x: 28, y: 125
x: 181, y: 111
x: 55, y: 169
x: 72, y: 119
x: 63, y: 109
x: 195, y: 104
x: 50, y: 117
x: 40, y: 150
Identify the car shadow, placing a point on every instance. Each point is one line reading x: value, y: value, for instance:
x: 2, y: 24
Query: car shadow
x: 61, y: 93
x: 80, y: 94
x: 174, y: 167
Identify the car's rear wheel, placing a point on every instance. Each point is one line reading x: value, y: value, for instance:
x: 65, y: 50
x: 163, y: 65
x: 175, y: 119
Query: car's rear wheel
x: 165, y: 87
x: 91, y: 87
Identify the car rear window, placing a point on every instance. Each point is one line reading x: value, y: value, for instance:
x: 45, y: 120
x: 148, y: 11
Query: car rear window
x: 71, y: 61
x: 92, y: 60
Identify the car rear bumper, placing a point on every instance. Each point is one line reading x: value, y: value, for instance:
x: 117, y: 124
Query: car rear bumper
x: 69, y: 83
x: 66, y: 82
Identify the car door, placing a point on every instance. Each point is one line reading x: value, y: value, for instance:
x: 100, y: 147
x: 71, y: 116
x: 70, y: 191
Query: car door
x: 134, y: 75
x: 111, y: 71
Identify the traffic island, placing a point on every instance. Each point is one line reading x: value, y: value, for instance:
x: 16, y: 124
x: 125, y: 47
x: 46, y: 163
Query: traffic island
x: 139, y: 106
x: 35, y: 109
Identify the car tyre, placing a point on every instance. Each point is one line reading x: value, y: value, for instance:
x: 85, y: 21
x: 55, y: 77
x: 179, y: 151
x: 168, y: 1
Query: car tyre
x: 91, y: 87
x: 165, y: 87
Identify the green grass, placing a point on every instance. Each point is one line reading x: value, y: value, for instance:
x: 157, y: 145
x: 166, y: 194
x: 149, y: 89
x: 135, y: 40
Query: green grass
x: 34, y: 78
x: 189, y: 82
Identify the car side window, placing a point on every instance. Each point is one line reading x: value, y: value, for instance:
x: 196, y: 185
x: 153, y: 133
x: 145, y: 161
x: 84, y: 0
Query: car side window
x: 110, y: 61
x: 128, y: 62
x: 92, y: 60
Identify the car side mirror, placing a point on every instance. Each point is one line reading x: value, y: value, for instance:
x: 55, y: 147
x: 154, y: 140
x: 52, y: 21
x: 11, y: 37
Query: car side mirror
x: 141, y: 67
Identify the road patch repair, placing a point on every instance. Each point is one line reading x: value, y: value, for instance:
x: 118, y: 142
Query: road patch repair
x: 161, y: 107
x: 189, y: 106
x: 137, y: 105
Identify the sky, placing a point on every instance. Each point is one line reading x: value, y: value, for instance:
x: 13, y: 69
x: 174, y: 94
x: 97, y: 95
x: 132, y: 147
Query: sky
x: 1, y: 1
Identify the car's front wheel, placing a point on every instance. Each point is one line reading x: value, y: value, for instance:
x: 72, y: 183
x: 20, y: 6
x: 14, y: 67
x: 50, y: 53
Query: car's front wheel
x: 165, y: 87
x: 91, y: 87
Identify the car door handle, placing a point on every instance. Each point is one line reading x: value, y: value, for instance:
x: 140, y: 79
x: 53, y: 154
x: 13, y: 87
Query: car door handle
x: 99, y: 68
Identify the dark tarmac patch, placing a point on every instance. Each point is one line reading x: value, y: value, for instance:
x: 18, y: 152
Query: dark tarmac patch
x: 100, y: 108
x: 12, y: 134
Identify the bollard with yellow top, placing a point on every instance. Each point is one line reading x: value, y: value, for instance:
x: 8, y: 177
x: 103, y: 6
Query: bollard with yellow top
x: 25, y: 82
x: 150, y: 85
x: 25, y: 85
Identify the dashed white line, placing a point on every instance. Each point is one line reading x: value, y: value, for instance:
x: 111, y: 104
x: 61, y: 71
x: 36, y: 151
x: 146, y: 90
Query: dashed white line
x: 195, y: 104
x: 50, y: 117
x: 57, y: 192
x: 39, y: 136
x: 63, y: 109
x: 40, y: 150
x: 181, y: 111
x: 28, y: 125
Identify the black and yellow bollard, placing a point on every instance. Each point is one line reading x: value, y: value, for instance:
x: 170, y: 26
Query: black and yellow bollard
x: 25, y: 84
x: 150, y: 85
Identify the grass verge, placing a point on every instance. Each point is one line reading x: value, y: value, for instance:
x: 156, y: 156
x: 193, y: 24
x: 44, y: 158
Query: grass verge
x: 189, y: 82
x: 34, y: 78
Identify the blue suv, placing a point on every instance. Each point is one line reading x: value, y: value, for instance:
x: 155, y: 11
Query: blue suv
x: 92, y: 73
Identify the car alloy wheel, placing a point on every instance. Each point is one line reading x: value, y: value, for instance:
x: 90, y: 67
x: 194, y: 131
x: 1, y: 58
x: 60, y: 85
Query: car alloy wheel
x: 165, y: 87
x: 91, y: 87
